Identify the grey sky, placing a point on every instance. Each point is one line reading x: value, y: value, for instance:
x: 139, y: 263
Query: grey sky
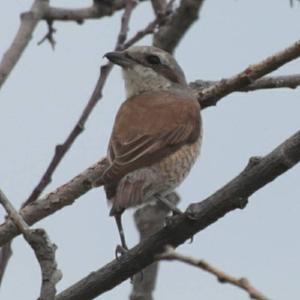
x: 43, y: 97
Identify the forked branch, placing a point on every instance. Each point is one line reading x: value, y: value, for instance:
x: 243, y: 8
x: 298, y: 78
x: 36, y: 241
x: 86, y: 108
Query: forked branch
x: 44, y: 250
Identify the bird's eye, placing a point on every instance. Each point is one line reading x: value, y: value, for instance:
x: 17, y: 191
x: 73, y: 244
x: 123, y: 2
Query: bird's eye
x: 153, y: 60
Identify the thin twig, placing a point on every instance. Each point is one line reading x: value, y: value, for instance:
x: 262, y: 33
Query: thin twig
x: 44, y: 250
x: 222, y: 277
x: 49, y: 36
x: 130, y: 5
x: 150, y: 28
x: 62, y: 149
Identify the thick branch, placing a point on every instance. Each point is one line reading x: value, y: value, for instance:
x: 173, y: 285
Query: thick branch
x: 44, y: 250
x: 221, y: 276
x: 169, y: 35
x: 211, y: 95
x: 258, y: 173
x: 29, y: 21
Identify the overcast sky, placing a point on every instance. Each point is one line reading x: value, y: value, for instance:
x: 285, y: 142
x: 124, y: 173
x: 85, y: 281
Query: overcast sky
x: 45, y: 94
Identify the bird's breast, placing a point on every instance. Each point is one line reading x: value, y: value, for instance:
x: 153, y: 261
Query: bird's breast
x: 173, y: 169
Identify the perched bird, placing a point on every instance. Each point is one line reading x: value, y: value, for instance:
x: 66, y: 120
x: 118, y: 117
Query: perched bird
x: 157, y: 131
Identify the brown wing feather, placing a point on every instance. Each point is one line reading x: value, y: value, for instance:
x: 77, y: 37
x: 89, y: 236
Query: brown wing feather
x: 149, y: 127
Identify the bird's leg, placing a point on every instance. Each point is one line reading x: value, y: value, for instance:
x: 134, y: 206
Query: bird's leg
x: 121, y: 249
x: 168, y: 204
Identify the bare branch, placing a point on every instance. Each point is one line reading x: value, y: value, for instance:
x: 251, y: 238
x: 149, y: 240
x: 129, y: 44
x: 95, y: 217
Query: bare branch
x: 221, y: 276
x: 258, y: 173
x: 151, y: 27
x: 175, y: 28
x: 130, y: 5
x: 41, y: 10
x: 211, y: 95
x: 29, y: 21
x: 268, y: 82
x: 44, y: 250
x: 96, y: 11
x: 274, y: 82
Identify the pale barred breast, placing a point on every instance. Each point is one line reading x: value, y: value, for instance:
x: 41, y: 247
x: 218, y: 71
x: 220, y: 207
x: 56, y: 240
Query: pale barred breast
x: 174, y: 168
x: 162, y: 177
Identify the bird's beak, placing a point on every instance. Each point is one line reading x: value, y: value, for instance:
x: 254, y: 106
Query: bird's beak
x: 119, y: 58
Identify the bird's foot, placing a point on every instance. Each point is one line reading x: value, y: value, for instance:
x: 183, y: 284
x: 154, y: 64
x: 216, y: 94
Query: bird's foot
x: 191, y: 239
x: 120, y: 250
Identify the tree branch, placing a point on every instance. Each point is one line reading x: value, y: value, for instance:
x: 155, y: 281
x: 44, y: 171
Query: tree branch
x: 267, y: 82
x: 41, y: 10
x: 258, y: 173
x: 29, y: 21
x: 44, y: 250
x: 95, y: 11
x: 211, y: 95
x: 221, y: 276
x: 169, y: 35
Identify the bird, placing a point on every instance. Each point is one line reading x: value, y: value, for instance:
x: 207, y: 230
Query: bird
x: 156, y: 136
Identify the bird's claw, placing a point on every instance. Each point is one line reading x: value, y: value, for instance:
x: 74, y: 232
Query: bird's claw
x: 120, y: 250
x: 191, y: 239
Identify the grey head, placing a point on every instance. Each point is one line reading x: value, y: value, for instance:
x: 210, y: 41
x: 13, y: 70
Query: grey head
x: 147, y: 68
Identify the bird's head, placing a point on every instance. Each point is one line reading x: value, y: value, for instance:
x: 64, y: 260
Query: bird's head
x: 147, y: 68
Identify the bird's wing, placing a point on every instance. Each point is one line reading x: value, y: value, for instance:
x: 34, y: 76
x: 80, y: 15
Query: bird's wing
x: 149, y: 127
